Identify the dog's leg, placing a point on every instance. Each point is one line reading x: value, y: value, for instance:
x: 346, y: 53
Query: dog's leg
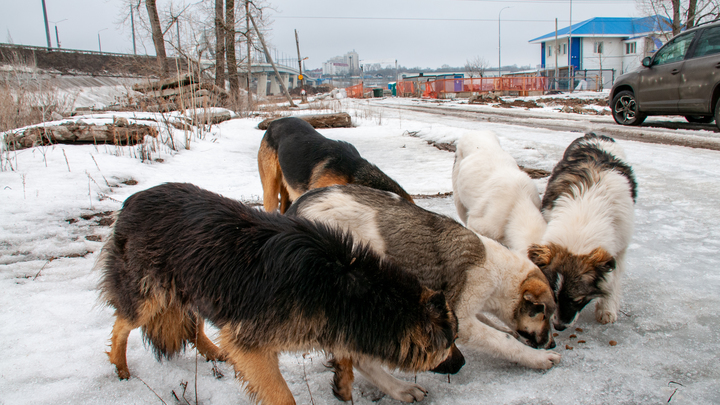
x: 260, y: 370
x: 397, y: 389
x: 204, y: 345
x: 343, y: 379
x: 606, y: 308
x: 487, y: 339
x: 270, y: 176
x: 501, y: 327
x: 496, y: 343
x: 118, y: 345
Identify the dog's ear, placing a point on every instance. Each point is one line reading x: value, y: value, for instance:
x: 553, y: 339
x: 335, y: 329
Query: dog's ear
x: 603, y: 261
x: 536, y: 291
x: 534, y: 305
x: 541, y: 255
x: 434, y: 301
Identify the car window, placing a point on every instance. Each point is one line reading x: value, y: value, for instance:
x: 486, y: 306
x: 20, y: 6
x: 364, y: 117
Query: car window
x: 675, y: 50
x: 709, y: 42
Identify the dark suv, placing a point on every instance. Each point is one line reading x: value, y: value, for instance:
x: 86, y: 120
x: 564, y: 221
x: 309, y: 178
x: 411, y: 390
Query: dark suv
x: 682, y: 78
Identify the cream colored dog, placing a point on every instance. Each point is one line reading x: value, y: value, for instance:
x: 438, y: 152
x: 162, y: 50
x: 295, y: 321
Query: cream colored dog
x: 493, y: 196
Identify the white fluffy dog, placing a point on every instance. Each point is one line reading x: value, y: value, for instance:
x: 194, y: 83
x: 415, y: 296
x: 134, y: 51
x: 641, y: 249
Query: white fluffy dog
x: 492, y: 195
x: 589, y: 206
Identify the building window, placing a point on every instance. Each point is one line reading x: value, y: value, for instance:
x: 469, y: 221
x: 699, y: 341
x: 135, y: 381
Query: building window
x: 630, y: 48
x: 598, y: 47
x: 549, y: 50
x: 564, y: 49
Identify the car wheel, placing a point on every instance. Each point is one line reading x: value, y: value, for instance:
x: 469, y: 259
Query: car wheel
x: 699, y: 119
x: 717, y: 114
x: 625, y: 109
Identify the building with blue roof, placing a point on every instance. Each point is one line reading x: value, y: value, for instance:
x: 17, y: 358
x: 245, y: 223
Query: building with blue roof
x: 609, y: 46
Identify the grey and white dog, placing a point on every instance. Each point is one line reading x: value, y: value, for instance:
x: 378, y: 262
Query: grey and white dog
x: 477, y: 275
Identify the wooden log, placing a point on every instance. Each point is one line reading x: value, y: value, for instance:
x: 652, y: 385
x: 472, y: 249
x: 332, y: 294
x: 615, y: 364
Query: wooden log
x: 334, y: 120
x: 174, y: 91
x: 172, y: 82
x: 73, y: 133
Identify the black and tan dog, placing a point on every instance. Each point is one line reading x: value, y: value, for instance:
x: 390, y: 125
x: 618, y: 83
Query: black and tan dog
x: 294, y: 158
x: 270, y: 283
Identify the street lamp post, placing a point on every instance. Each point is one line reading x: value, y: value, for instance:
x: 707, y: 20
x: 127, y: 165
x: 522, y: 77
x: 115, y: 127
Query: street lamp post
x: 57, y: 37
x: 499, y: 63
x: 99, y: 43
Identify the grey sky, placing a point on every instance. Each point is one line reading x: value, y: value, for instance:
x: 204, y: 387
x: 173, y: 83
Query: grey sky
x: 424, y: 33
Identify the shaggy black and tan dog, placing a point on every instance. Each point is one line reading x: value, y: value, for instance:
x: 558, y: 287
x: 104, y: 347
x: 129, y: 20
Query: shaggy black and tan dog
x: 294, y: 158
x: 270, y: 283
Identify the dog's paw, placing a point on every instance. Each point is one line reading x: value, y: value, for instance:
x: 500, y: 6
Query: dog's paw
x: 605, y: 316
x: 123, y: 373
x: 543, y: 359
x: 408, y: 392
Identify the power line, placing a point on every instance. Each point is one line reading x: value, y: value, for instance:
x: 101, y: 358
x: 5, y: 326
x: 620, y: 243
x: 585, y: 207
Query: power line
x: 552, y: 1
x: 405, y: 19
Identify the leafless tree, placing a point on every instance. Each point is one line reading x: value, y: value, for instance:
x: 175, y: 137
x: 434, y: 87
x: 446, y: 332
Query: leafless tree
x: 682, y: 14
x: 219, y: 44
x: 476, y: 67
x: 157, y: 36
x: 230, y: 35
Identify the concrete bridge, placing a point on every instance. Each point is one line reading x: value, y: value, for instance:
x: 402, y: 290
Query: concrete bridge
x: 125, y: 65
x: 263, y: 73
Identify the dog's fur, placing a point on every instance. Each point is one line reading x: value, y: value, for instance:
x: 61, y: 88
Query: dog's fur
x: 493, y: 196
x: 589, y: 206
x: 476, y: 273
x: 179, y: 254
x: 294, y: 158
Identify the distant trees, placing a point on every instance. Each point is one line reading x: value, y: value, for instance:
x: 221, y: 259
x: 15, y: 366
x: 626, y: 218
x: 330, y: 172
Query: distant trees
x: 683, y: 14
x: 476, y: 67
x: 210, y: 30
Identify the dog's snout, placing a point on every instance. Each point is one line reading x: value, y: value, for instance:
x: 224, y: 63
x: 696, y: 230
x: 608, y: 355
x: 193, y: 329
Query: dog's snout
x: 560, y: 327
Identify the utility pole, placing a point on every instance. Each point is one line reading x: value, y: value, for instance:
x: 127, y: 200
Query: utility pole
x: 557, y: 48
x: 571, y: 82
x: 302, y: 79
x: 248, y: 40
x: 47, y: 27
x: 132, y: 24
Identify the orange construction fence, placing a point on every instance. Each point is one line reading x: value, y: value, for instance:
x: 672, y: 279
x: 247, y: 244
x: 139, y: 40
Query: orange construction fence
x: 436, y: 88
x: 355, y: 91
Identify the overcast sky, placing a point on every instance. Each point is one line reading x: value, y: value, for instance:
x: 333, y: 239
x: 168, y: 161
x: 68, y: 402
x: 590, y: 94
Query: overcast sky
x: 416, y: 33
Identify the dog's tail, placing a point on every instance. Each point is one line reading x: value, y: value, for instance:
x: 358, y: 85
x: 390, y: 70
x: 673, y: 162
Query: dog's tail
x: 369, y: 175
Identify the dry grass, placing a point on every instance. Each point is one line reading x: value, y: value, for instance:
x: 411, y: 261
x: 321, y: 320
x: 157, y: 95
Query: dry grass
x: 28, y: 97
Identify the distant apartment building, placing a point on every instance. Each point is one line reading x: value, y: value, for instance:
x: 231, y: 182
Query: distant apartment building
x: 348, y: 64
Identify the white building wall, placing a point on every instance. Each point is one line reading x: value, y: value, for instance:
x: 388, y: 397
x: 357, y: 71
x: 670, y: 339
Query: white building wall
x: 634, y: 60
x: 610, y: 58
x: 562, y: 58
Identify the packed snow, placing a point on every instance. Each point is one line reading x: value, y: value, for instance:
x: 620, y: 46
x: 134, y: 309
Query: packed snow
x: 56, y: 202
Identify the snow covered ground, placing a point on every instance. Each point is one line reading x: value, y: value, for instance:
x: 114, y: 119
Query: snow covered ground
x: 55, y: 332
